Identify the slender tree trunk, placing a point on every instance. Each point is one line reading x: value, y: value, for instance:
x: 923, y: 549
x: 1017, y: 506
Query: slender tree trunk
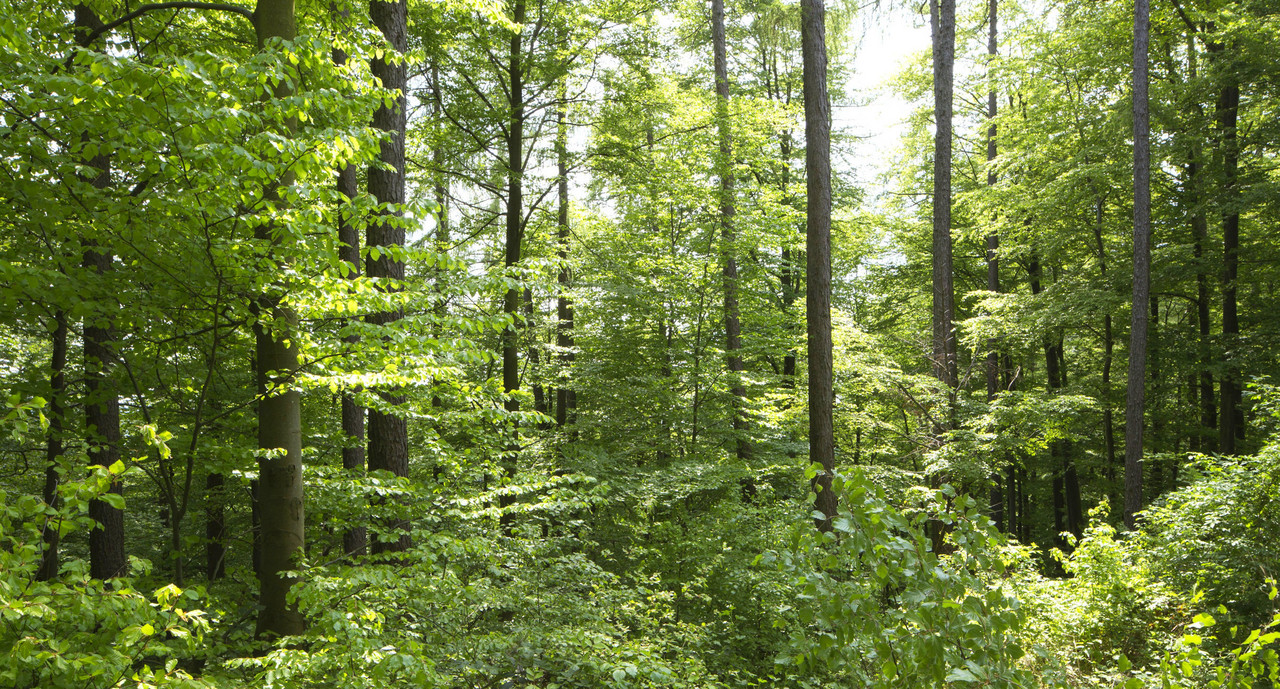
x: 354, y: 539
x: 49, y: 562
x: 566, y: 399
x: 728, y: 236
x: 817, y: 124
x: 515, y: 236
x: 943, y: 21
x: 1231, y: 424
x: 215, y: 527
x: 102, y: 407
x: 1134, y: 401
x: 993, y: 260
x: 389, y: 433
x: 280, y: 494
x: 1108, y: 356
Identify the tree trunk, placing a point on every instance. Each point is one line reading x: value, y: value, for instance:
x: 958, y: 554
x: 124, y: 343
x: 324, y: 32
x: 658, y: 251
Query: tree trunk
x: 817, y: 124
x: 1108, y: 349
x: 728, y: 236
x: 1231, y: 424
x: 1134, y: 401
x: 943, y: 22
x: 49, y: 562
x: 993, y: 261
x: 389, y: 433
x: 566, y: 399
x: 280, y: 505
x: 515, y: 236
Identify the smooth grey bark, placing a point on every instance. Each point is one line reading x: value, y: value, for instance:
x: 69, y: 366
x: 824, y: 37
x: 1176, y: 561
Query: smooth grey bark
x: 817, y: 125
x: 282, y: 530
x: 1135, y: 398
x: 728, y: 235
x: 942, y: 14
x: 388, y: 433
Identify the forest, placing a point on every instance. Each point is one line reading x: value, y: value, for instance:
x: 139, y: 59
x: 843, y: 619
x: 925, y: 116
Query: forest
x: 572, y: 344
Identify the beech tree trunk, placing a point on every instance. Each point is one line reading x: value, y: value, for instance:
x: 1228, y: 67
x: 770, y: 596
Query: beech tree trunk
x: 389, y: 432
x: 817, y: 125
x: 1135, y: 399
x: 280, y: 496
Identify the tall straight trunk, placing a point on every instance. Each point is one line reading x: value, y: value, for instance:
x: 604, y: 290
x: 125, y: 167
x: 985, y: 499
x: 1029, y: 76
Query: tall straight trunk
x: 566, y: 399
x: 817, y: 126
x: 281, y: 513
x: 49, y: 562
x: 515, y: 236
x: 1200, y: 237
x: 943, y: 22
x: 1231, y: 424
x: 993, y: 259
x: 389, y: 433
x: 1108, y: 355
x: 102, y: 406
x: 354, y: 539
x: 215, y: 527
x: 1135, y: 399
x: 728, y: 236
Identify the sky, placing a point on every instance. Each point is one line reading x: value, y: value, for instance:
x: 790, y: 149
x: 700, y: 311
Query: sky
x: 885, y: 40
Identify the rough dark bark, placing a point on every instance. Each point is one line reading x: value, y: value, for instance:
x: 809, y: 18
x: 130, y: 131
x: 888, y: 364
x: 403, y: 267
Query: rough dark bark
x: 728, y: 235
x: 1231, y: 423
x: 514, y: 239
x: 281, y: 514
x: 49, y: 562
x: 355, y: 539
x: 817, y: 124
x: 942, y: 15
x: 102, y: 406
x: 388, y: 433
x: 1135, y: 398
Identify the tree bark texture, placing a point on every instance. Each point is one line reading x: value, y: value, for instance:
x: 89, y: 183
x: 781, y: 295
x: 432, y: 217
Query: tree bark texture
x: 817, y: 123
x: 728, y: 235
x: 1231, y: 424
x: 49, y: 561
x: 101, y: 406
x: 514, y: 239
x: 1135, y: 399
x: 566, y: 398
x: 280, y: 496
x: 388, y: 433
x: 993, y: 259
x: 943, y: 20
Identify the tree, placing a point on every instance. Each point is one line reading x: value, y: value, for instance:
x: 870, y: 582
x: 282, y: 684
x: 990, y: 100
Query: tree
x: 1134, y: 420
x: 942, y: 15
x: 388, y: 431
x: 817, y: 114
x: 280, y: 491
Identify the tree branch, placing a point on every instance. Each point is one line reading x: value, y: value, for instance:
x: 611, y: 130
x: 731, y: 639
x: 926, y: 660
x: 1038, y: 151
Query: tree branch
x: 154, y: 6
